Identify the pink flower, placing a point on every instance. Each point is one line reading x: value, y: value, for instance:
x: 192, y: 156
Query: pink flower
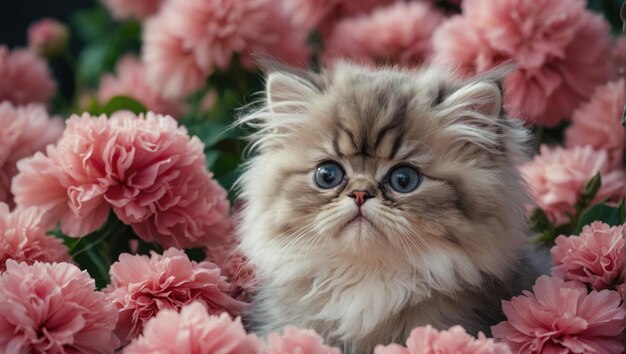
x: 324, y: 13
x: 25, y: 77
x: 170, y: 65
x: 189, y: 39
x: 597, y: 122
x: 194, y: 331
x: 142, y: 286
x: 595, y: 257
x: 556, y: 178
x: 23, y: 238
x: 559, y: 47
x: 619, y: 55
x: 25, y: 130
x: 138, y: 9
x: 48, y: 37
x: 131, y: 81
x: 427, y: 340
x: 560, y: 317
x: 145, y: 168
x: 400, y: 33
x: 528, y: 32
x: 53, y: 308
x: 474, y: 56
x: 298, y: 341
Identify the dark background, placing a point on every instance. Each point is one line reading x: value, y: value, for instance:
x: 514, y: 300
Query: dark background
x: 15, y: 16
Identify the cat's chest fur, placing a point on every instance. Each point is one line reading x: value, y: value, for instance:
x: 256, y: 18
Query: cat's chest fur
x: 357, y: 305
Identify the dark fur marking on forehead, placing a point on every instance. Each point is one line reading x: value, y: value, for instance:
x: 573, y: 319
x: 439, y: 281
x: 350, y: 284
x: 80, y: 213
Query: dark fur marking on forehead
x: 383, y: 98
x: 336, y: 146
x: 397, y: 119
x: 441, y: 95
x: 349, y: 134
x: 397, y: 143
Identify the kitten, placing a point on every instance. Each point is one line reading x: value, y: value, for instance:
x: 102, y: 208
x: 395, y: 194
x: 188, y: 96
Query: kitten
x: 381, y: 200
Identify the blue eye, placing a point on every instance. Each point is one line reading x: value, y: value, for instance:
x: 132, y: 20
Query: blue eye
x: 404, y: 179
x: 328, y: 175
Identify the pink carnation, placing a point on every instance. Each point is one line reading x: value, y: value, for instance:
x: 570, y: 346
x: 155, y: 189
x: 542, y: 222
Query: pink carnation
x: 427, y: 340
x: 556, y: 178
x: 194, y: 331
x: 560, y: 49
x: 145, y: 168
x: 23, y: 238
x: 619, y: 55
x: 298, y: 341
x: 560, y: 317
x: 189, y: 39
x: 324, y: 13
x: 48, y: 37
x: 474, y: 56
x: 25, y: 77
x: 597, y: 122
x: 138, y: 9
x: 595, y: 257
x: 25, y: 130
x: 131, y: 81
x: 399, y: 33
x: 142, y: 286
x: 53, y: 308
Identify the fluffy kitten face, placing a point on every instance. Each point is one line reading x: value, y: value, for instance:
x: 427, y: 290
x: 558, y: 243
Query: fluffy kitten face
x: 463, y: 219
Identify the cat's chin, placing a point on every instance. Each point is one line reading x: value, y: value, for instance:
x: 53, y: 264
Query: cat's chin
x: 360, y: 229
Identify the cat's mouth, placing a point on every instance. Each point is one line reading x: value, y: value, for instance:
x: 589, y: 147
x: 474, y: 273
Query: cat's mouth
x: 361, y: 221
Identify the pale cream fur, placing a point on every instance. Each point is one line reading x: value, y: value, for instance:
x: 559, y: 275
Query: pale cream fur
x: 441, y: 255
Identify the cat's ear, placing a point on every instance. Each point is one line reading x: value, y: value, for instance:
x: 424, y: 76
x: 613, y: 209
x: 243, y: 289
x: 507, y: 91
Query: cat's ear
x: 287, y: 92
x: 473, y: 112
x: 286, y: 87
x: 482, y: 94
x: 483, y: 97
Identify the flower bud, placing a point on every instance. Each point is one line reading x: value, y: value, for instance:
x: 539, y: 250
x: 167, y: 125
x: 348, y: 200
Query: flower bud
x: 48, y: 37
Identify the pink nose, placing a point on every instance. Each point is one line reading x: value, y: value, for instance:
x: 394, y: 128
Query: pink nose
x: 360, y: 197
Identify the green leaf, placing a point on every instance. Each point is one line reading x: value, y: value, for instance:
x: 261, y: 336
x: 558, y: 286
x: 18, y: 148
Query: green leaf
x: 601, y: 212
x: 96, y: 251
x: 91, y: 24
x: 590, y: 191
x: 120, y: 103
x: 92, y: 62
x: 211, y: 158
x: 102, y: 52
x: 87, y: 252
x: 211, y: 132
x: 539, y: 221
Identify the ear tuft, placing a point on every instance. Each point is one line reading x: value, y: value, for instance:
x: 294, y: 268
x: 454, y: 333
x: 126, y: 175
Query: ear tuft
x: 484, y: 97
x: 285, y: 90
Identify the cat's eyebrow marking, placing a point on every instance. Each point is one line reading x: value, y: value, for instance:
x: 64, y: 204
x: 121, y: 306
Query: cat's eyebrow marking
x: 397, y: 143
x: 397, y: 118
x: 350, y: 135
x: 336, y: 146
x: 414, y: 150
x: 441, y: 95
